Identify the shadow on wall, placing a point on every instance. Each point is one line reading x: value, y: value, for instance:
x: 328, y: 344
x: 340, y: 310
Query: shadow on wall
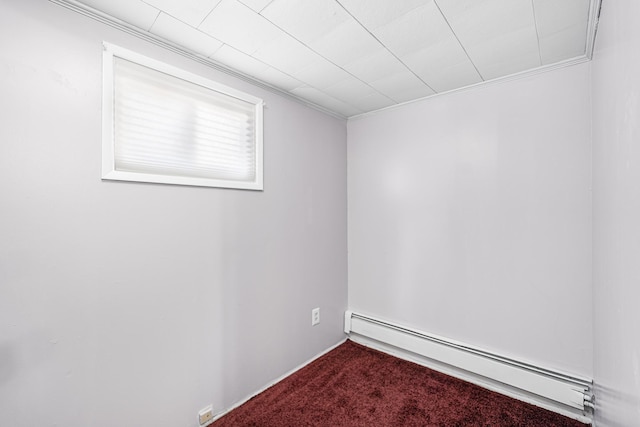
x: 6, y: 362
x: 28, y: 353
x: 608, y: 403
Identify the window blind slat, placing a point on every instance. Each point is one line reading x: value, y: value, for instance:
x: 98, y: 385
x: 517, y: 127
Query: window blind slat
x: 161, y: 105
x: 137, y: 150
x: 223, y: 136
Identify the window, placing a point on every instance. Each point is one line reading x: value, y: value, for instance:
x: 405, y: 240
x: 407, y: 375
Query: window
x: 162, y: 124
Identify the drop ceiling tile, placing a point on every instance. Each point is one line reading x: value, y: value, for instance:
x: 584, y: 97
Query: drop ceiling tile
x: 443, y: 66
x: 376, y: 13
x: 286, y: 54
x: 278, y: 79
x: 321, y: 74
x: 235, y: 24
x: 376, y: 66
x: 562, y: 27
x: 553, y: 15
x: 345, y: 43
x: 349, y: 89
x: 239, y: 61
x: 420, y: 28
x: 346, y: 110
x: 504, y: 55
x: 498, y: 35
x: 486, y: 18
x: 134, y: 12
x: 177, y: 31
x: 305, y: 20
x: 402, y: 87
x: 191, y: 12
x: 372, y: 102
x: 256, y: 5
x: 506, y: 65
x: 424, y: 42
x: 562, y: 45
x: 326, y: 101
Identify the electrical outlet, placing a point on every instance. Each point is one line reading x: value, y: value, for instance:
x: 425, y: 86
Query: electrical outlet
x: 205, y: 415
x: 315, y: 316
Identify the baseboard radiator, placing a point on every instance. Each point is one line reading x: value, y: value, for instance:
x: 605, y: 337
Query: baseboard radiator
x: 558, y: 387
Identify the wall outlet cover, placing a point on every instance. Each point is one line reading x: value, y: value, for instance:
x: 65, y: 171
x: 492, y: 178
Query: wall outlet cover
x: 315, y: 316
x: 205, y: 416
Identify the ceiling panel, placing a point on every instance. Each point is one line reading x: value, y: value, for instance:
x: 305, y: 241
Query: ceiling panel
x: 562, y: 26
x: 230, y: 22
x: 306, y: 20
x: 349, y: 89
x: 256, y: 5
x: 443, y: 67
x: 562, y: 45
x: 498, y: 35
x: 278, y: 79
x: 238, y: 60
x: 191, y: 12
x: 321, y: 74
x: 413, y: 31
x: 376, y: 13
x: 496, y: 64
x: 134, y: 12
x: 326, y: 101
x: 371, y: 102
x: 345, y: 43
x: 177, y: 31
x: 424, y: 42
x: 375, y: 66
x: 286, y: 54
x: 401, y: 87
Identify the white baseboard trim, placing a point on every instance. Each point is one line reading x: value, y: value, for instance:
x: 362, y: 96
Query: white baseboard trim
x: 277, y: 380
x: 522, y: 381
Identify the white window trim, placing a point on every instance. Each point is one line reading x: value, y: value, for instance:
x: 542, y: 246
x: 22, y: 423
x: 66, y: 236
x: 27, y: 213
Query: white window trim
x: 109, y: 171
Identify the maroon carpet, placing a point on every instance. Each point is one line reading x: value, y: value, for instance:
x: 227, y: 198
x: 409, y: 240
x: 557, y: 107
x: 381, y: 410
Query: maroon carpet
x: 357, y: 386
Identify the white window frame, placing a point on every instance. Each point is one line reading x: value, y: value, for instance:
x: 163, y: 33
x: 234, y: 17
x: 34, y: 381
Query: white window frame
x: 109, y: 171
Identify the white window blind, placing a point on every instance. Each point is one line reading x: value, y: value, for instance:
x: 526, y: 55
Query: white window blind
x: 169, y: 126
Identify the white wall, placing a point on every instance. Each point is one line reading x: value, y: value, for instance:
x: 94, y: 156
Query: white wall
x: 128, y: 304
x: 616, y: 214
x: 470, y: 217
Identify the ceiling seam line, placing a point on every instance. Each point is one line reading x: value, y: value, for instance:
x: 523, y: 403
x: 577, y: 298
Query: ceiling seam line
x: 385, y: 47
x: 459, y: 42
x: 329, y: 61
x: 197, y: 27
x: 155, y: 20
x: 266, y: 6
x: 535, y: 24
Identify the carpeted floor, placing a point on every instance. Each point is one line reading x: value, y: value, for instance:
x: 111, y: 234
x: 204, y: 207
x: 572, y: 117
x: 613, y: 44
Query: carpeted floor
x: 357, y: 386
